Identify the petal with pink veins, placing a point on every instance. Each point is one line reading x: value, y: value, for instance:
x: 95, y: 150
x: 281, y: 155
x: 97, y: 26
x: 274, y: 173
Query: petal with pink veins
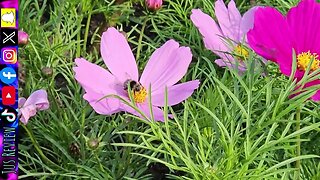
x: 173, y: 68
x: 229, y: 19
x: 38, y: 98
x: 37, y: 101
x: 158, y: 61
x: 158, y: 114
x: 304, y: 21
x: 176, y: 93
x: 247, y: 23
x: 270, y: 36
x: 212, y: 35
x: 93, y: 77
x: 27, y: 112
x: 101, y: 104
x: 118, y: 56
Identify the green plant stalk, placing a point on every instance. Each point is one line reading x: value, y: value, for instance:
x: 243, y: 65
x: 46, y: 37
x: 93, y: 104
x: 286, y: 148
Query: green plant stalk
x: 87, y: 32
x: 298, y: 152
x: 140, y: 38
x: 36, y: 145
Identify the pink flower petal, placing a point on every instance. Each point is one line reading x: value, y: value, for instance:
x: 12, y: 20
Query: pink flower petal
x: 117, y: 55
x: 315, y: 97
x: 304, y: 21
x: 21, y: 102
x: 229, y: 19
x: 39, y: 99
x: 171, y: 67
x: 212, y: 35
x: 247, y: 22
x: 176, y: 93
x: 93, y: 77
x: 99, y: 84
x: 271, y: 37
x: 158, y: 61
x: 158, y: 114
x: 105, y: 106
x: 27, y: 112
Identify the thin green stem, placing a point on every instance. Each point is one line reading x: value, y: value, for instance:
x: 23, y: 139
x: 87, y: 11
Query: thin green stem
x: 36, y: 145
x: 298, y: 152
x: 140, y: 38
x: 86, y: 32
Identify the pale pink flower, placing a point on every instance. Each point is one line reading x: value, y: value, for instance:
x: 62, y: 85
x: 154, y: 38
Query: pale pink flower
x: 229, y: 37
x: 37, y: 101
x: 166, y: 67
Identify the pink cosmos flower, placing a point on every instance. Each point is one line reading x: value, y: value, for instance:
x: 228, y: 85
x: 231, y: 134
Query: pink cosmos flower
x: 154, y: 4
x: 227, y: 38
x: 37, y: 101
x: 166, y: 67
x: 274, y: 36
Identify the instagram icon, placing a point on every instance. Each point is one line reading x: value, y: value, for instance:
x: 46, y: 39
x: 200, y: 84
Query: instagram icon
x: 9, y: 55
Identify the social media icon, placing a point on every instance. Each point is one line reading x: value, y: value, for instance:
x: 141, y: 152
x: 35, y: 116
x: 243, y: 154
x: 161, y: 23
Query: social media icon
x: 8, y: 95
x: 8, y: 17
x: 9, y: 55
x: 9, y: 37
x: 8, y: 114
x: 8, y: 75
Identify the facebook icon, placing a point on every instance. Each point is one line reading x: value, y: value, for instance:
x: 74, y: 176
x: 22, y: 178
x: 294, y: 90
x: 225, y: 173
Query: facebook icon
x: 8, y: 75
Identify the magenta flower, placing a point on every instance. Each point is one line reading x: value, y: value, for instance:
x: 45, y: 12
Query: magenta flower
x: 274, y: 36
x: 166, y: 67
x: 37, y: 101
x: 154, y: 4
x: 23, y: 38
x: 229, y: 38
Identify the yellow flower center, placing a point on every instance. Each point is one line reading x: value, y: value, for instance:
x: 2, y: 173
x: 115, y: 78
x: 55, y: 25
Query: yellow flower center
x: 140, y: 96
x: 241, y: 52
x: 304, y: 59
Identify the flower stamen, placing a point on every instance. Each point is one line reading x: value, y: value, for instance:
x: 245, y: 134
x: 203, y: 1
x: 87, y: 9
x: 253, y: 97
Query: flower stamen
x: 241, y: 52
x: 140, y: 96
x: 303, y: 60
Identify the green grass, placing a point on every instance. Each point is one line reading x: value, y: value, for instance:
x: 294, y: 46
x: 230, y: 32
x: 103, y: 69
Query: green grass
x: 233, y: 127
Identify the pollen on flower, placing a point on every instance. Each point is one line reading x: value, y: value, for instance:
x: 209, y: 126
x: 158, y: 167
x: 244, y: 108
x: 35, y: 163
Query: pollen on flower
x: 242, y: 52
x: 303, y: 60
x: 140, y: 96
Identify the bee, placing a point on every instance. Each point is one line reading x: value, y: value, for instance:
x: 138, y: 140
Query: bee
x: 134, y: 85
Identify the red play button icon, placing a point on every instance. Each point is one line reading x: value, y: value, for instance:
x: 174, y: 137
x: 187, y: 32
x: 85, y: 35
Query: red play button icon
x: 8, y: 95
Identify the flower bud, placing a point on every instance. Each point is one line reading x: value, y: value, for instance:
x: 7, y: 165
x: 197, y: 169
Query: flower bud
x: 154, y: 4
x: 47, y: 71
x: 22, y: 38
x: 93, y: 143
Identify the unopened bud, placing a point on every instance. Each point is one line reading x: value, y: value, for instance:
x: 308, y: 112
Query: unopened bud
x: 93, y: 143
x: 154, y: 4
x: 47, y: 71
x: 22, y: 38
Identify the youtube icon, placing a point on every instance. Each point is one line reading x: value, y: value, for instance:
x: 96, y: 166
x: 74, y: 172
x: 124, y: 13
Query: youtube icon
x: 8, y: 95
